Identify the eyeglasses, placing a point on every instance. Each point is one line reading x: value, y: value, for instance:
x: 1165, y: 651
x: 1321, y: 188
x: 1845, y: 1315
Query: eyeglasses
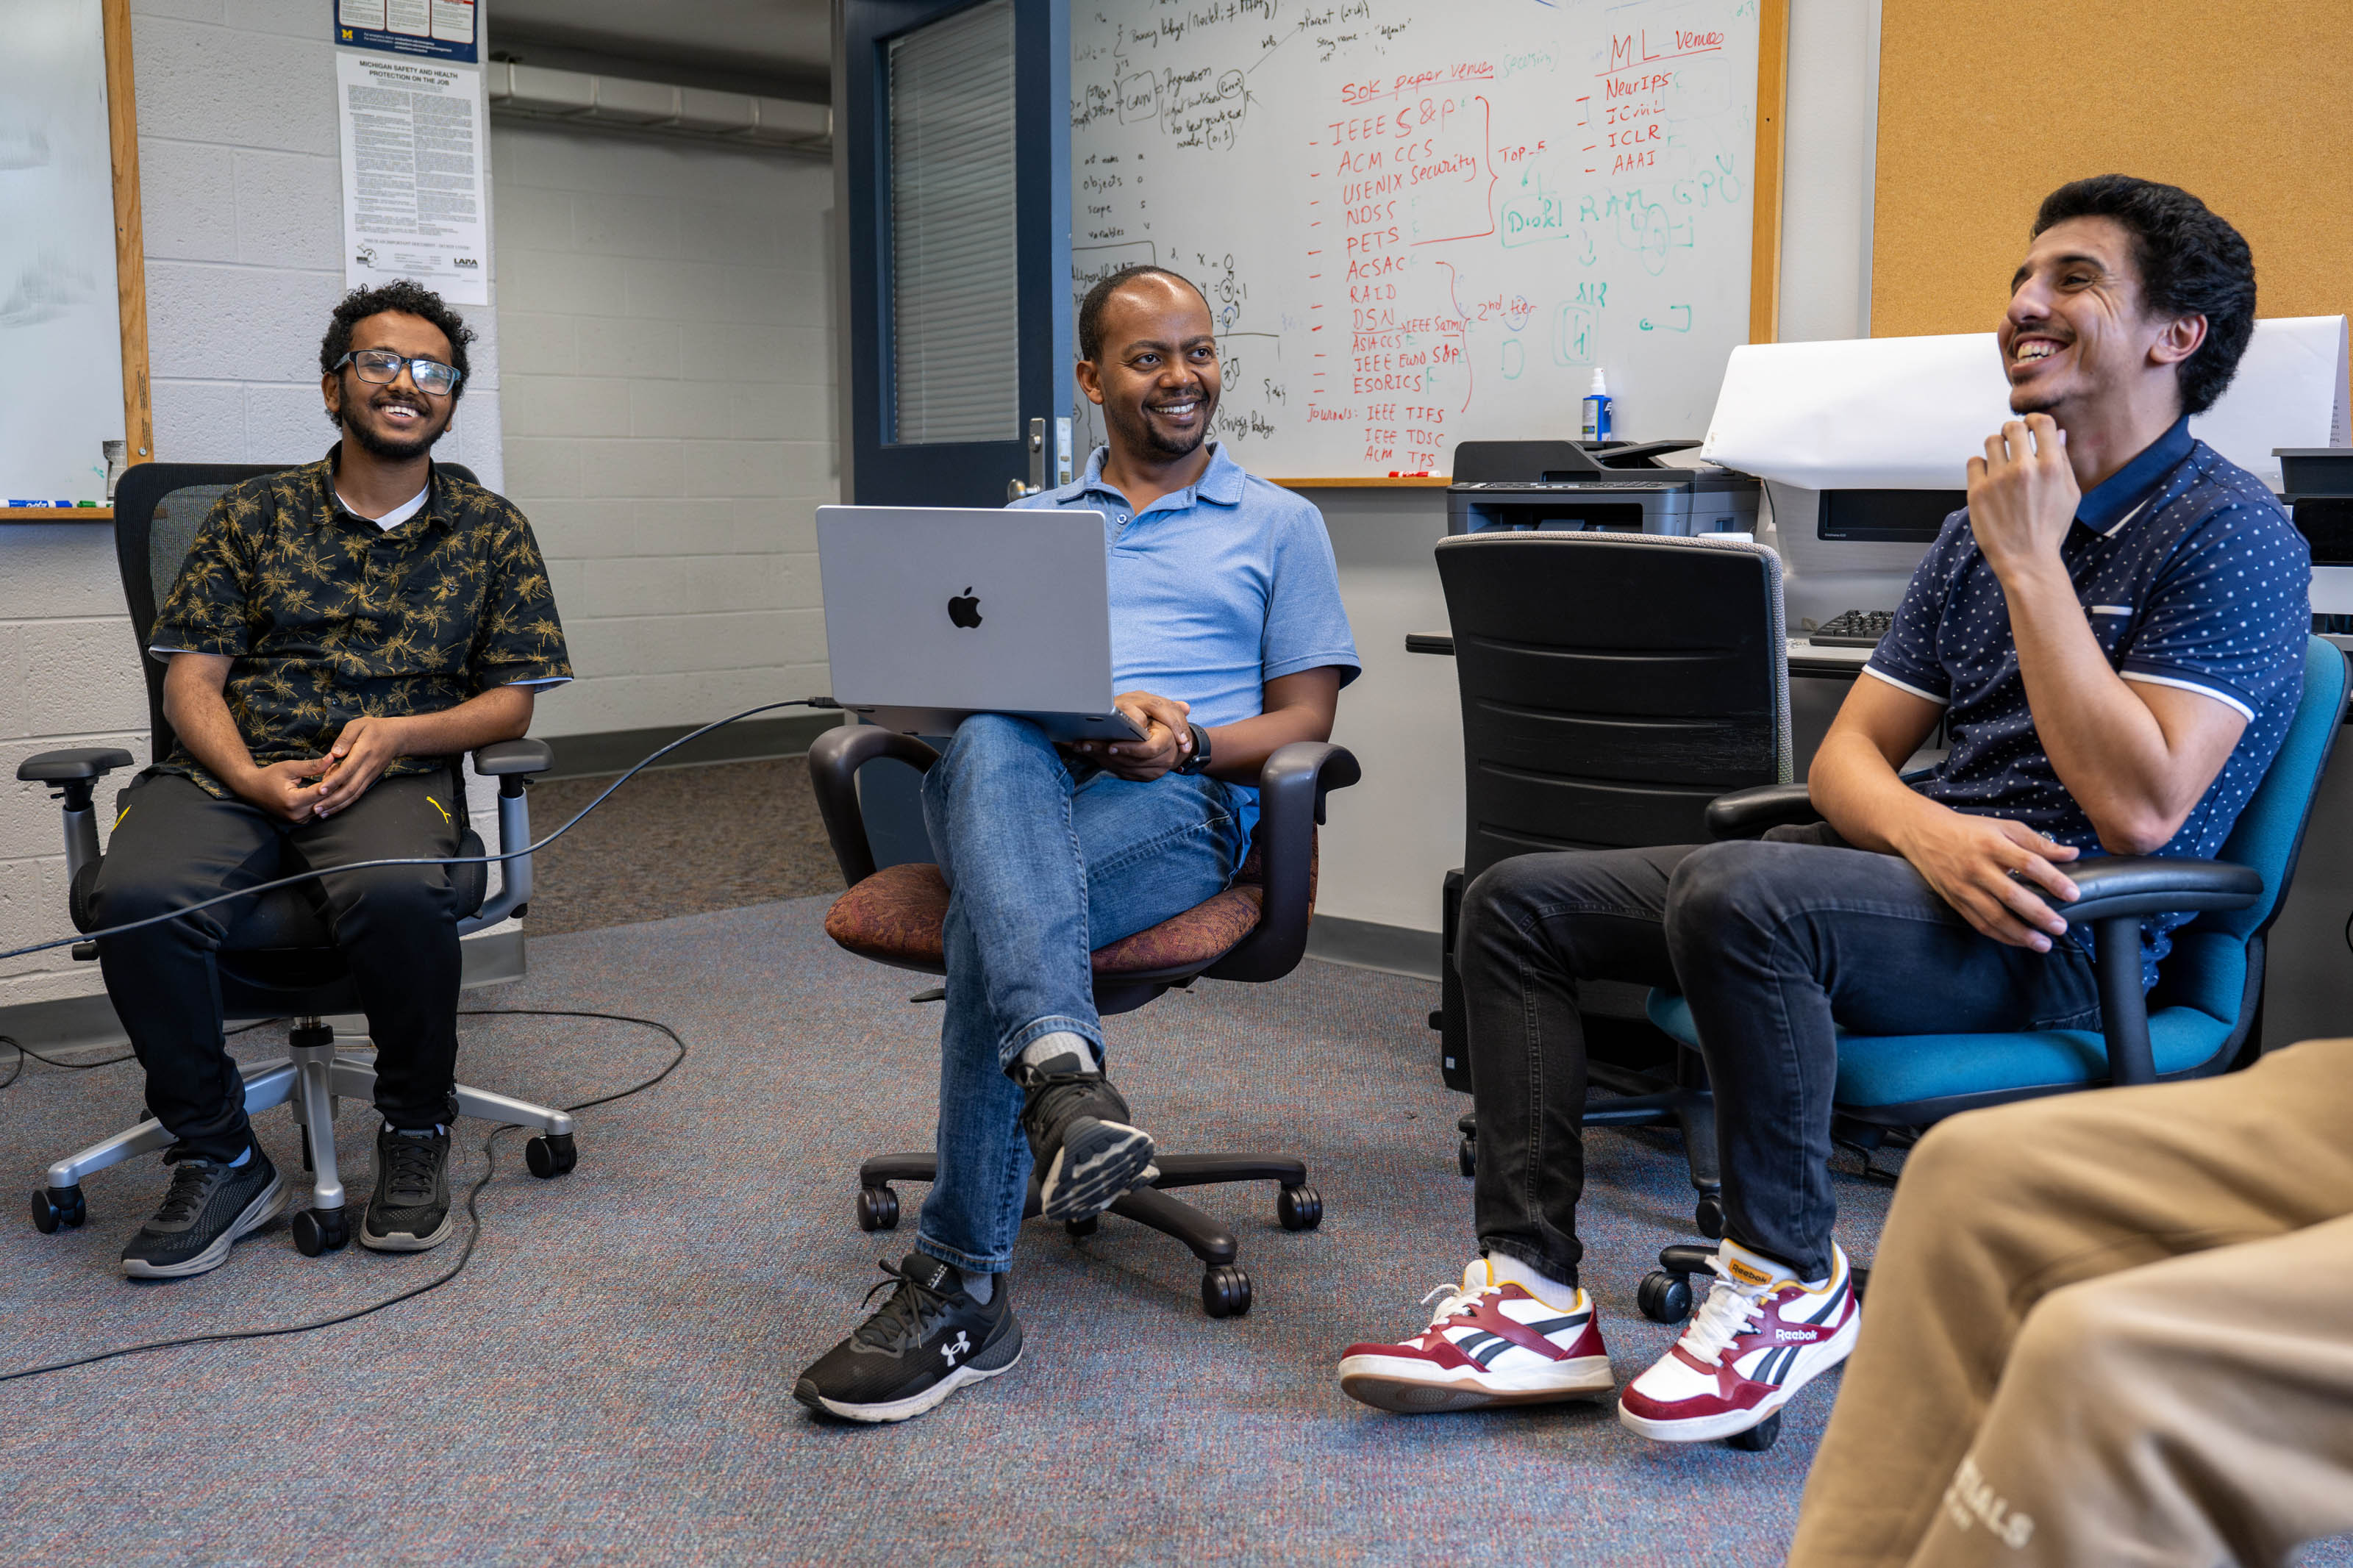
x: 382, y: 367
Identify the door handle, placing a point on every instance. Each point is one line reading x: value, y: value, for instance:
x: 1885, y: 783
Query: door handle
x: 1014, y: 489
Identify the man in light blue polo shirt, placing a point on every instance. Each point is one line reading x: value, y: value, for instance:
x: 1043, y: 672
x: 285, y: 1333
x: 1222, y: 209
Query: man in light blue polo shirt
x: 1228, y: 642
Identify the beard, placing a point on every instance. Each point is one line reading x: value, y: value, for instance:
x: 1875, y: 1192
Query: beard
x: 376, y: 443
x: 379, y: 445
x: 1136, y: 430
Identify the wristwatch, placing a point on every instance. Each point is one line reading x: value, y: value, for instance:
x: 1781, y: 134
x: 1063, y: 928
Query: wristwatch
x: 1198, y: 763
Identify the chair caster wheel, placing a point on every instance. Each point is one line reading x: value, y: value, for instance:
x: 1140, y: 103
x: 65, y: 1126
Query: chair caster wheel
x: 1225, y: 1291
x: 1298, y: 1208
x: 1086, y: 1225
x: 1758, y: 1438
x: 320, y: 1230
x: 1664, y: 1298
x: 1708, y: 1215
x: 550, y: 1156
x: 878, y: 1209
x: 1466, y: 1155
x: 54, y: 1207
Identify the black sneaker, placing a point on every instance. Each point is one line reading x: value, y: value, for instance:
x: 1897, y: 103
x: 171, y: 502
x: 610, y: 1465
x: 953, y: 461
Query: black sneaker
x: 928, y: 1339
x: 1086, y: 1153
x: 409, y: 1211
x: 208, y: 1207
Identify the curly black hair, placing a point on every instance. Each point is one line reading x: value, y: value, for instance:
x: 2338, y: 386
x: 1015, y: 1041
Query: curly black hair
x: 1091, y: 308
x: 410, y: 299
x: 2192, y: 262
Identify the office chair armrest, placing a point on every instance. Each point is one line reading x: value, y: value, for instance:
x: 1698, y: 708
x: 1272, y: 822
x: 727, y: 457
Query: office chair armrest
x: 512, y: 763
x: 1750, y: 812
x: 2116, y: 892
x: 2120, y: 886
x: 1292, y: 787
x: 505, y: 760
x: 833, y: 764
x: 78, y: 765
x: 75, y: 772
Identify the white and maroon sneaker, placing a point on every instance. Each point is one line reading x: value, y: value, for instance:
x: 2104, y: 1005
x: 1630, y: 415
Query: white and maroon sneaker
x: 1489, y: 1342
x: 1759, y: 1338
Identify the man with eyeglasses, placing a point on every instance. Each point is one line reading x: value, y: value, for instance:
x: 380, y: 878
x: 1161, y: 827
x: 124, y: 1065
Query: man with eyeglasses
x: 339, y: 635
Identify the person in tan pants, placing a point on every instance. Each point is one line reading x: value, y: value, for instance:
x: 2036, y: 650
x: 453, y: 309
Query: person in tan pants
x: 2109, y: 1327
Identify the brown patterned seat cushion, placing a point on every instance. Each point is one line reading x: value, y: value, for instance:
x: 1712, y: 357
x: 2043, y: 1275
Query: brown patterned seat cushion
x: 895, y: 915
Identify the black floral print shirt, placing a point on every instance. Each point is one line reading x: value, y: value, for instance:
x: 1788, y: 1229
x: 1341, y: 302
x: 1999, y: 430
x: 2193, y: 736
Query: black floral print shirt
x: 331, y: 618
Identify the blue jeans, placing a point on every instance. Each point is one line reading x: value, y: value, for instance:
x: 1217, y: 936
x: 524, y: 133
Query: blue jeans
x: 1045, y: 863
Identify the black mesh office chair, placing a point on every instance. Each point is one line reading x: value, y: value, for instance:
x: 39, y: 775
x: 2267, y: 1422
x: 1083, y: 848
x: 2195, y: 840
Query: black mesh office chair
x: 279, y: 960
x: 1255, y: 930
x: 1613, y: 684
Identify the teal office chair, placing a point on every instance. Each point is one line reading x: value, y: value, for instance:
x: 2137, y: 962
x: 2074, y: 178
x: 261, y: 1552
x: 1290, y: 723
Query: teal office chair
x: 2203, y: 1017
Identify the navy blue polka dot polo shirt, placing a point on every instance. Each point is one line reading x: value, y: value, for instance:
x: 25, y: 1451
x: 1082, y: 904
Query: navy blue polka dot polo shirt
x: 2191, y: 576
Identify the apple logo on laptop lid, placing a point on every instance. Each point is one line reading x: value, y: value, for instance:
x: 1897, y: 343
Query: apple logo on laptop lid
x: 964, y: 609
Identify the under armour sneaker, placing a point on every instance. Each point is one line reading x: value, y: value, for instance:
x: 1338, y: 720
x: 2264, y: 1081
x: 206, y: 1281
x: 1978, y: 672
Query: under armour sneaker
x: 208, y: 1207
x: 409, y: 1211
x: 1760, y: 1336
x: 1086, y: 1153
x: 1489, y: 1342
x: 928, y: 1339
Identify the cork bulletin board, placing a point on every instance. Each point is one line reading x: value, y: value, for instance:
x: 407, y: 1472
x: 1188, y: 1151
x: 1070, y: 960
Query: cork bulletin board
x: 1985, y: 106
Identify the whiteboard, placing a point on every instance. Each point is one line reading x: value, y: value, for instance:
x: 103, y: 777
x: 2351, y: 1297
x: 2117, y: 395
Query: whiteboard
x: 60, y: 323
x: 1425, y: 221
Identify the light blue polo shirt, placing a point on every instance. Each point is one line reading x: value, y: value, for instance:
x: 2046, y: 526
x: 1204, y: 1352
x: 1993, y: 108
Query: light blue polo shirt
x: 2189, y: 575
x: 1215, y: 590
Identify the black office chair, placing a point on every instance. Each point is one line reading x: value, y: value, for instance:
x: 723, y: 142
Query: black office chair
x: 1254, y: 931
x: 279, y: 959
x: 1613, y: 684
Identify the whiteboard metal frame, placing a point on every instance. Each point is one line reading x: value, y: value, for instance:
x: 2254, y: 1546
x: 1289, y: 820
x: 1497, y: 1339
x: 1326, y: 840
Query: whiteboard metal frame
x: 130, y: 268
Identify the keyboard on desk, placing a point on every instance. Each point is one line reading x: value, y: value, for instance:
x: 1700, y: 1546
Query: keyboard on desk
x: 1853, y: 628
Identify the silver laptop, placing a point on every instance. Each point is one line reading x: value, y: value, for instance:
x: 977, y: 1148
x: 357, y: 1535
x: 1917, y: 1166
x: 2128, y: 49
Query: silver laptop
x: 934, y: 614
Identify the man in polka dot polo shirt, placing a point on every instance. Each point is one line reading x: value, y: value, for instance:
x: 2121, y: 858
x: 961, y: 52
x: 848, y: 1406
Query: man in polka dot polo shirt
x: 2112, y: 631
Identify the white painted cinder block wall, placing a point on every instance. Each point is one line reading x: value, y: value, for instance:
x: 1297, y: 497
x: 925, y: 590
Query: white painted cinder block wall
x: 670, y: 414
x: 239, y: 181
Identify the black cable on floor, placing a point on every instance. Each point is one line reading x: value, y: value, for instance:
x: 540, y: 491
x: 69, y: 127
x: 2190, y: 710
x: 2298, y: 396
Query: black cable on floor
x: 23, y: 1050
x: 473, y: 1211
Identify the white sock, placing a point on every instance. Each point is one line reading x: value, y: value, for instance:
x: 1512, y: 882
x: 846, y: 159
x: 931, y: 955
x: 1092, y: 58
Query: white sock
x: 1063, y: 1043
x: 981, y: 1288
x: 1749, y: 1267
x: 1505, y: 1269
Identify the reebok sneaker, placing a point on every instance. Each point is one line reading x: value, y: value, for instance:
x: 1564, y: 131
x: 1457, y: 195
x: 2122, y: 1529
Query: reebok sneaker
x: 1489, y: 1342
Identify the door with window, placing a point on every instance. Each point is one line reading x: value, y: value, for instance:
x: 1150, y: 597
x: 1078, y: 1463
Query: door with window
x: 956, y: 207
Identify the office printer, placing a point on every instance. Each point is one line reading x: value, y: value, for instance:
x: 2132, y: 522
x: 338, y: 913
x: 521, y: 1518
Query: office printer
x: 1850, y: 548
x: 2319, y: 485
x: 1612, y: 486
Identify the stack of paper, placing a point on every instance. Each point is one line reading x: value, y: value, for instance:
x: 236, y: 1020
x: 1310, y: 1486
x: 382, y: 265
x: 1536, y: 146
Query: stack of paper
x: 1909, y: 412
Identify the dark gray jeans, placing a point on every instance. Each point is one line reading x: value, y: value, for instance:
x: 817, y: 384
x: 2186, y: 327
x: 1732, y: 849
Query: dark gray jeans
x: 1770, y: 941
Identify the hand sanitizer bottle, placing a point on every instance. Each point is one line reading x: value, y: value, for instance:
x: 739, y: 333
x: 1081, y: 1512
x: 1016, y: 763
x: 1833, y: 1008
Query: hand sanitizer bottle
x: 1596, y: 410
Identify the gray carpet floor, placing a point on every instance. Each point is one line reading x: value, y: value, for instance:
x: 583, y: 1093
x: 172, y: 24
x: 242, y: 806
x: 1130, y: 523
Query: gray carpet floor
x: 609, y: 1381
x: 678, y: 841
